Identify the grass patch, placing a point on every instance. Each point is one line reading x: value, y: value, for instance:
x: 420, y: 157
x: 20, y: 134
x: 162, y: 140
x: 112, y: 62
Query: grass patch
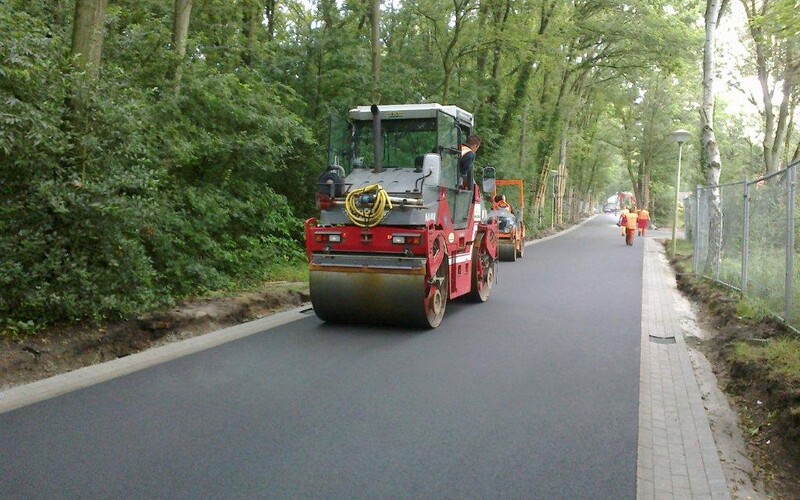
x: 293, y: 271
x: 684, y: 252
x: 781, y: 356
x: 752, y: 309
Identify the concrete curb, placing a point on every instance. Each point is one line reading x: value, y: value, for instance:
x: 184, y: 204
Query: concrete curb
x: 560, y: 233
x: 58, y: 385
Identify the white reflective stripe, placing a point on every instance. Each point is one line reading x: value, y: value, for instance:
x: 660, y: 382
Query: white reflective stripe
x: 460, y: 259
x: 474, y: 232
x: 476, y: 213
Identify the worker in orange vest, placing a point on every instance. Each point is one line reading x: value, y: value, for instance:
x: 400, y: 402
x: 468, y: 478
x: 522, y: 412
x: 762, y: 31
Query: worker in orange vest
x: 501, y: 203
x: 643, y: 220
x: 623, y: 217
x: 630, y: 226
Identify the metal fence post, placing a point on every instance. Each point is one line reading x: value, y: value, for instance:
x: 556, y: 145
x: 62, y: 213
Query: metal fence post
x: 745, y: 236
x: 790, y: 207
x: 696, y: 253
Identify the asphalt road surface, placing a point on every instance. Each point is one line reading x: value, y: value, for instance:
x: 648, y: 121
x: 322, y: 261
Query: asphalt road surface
x: 533, y: 394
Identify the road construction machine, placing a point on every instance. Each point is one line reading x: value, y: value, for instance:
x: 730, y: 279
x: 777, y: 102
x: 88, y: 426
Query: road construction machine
x: 508, y: 208
x: 399, y: 233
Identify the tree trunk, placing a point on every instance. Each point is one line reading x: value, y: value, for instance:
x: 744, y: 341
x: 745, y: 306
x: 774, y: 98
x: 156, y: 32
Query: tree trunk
x: 645, y: 200
x: 251, y: 22
x: 540, y: 198
x: 87, y: 35
x: 519, y: 94
x: 784, y: 111
x: 523, y: 132
x: 87, y: 47
x: 180, y: 31
x: 497, y: 57
x: 270, y: 12
x: 57, y: 13
x: 561, y: 178
x: 713, y: 163
x: 483, y: 13
x: 526, y: 72
x: 774, y: 60
x: 638, y: 184
x: 376, y: 51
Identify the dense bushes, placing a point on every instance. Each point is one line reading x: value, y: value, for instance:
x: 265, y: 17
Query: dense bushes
x: 140, y: 197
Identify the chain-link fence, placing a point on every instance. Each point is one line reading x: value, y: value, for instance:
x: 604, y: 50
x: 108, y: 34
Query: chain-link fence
x: 757, y: 240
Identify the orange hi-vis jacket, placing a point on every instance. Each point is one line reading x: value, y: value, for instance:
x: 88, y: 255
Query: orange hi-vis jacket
x: 630, y: 220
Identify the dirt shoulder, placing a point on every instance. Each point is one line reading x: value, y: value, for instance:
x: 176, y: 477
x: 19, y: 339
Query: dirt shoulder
x: 768, y: 407
x: 62, y: 349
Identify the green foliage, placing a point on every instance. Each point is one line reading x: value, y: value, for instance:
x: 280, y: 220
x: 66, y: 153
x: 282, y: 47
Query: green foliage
x: 139, y: 197
x: 143, y: 194
x: 32, y: 92
x: 781, y: 356
x: 17, y: 330
x: 296, y: 271
x: 213, y: 240
x: 752, y: 308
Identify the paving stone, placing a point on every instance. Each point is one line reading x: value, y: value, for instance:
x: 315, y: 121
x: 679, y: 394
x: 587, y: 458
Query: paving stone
x: 678, y: 457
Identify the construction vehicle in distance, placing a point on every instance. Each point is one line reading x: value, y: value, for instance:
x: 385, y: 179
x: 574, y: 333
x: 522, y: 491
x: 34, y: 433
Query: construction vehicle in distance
x: 511, y: 225
x: 398, y: 235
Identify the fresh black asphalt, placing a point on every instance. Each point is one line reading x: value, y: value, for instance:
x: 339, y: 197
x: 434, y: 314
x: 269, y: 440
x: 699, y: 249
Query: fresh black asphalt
x: 533, y: 394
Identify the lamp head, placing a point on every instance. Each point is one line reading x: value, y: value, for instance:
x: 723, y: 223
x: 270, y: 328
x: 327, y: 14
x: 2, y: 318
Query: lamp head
x: 680, y: 136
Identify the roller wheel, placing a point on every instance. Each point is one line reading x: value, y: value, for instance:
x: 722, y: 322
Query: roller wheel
x: 436, y: 292
x: 507, y: 252
x: 482, y: 272
x: 521, y: 250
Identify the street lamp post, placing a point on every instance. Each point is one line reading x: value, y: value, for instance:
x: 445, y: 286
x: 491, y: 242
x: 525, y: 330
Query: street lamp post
x: 554, y: 177
x: 679, y: 136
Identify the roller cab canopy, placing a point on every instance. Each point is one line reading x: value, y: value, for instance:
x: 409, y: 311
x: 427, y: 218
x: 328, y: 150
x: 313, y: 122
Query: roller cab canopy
x: 408, y: 132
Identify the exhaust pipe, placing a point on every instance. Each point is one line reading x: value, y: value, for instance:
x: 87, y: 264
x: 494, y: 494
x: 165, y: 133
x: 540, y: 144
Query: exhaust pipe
x: 376, y: 133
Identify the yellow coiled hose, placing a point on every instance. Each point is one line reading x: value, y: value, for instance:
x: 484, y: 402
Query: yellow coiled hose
x: 367, y: 214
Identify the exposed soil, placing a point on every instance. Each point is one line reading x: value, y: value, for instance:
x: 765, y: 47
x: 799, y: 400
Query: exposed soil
x: 768, y: 407
x: 62, y: 349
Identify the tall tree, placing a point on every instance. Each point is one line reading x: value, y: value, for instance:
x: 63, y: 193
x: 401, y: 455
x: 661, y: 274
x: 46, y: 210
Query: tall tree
x: 375, y: 40
x: 776, y: 60
x: 270, y: 12
x: 448, y: 29
x: 180, y: 33
x: 87, y: 45
x: 87, y: 48
x: 253, y: 14
x: 713, y: 160
x: 87, y: 35
x: 527, y: 67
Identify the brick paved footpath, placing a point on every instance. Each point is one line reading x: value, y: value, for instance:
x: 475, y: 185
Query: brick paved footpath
x: 677, y: 456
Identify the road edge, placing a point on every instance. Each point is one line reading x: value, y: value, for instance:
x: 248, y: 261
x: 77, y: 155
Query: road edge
x: 24, y: 395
